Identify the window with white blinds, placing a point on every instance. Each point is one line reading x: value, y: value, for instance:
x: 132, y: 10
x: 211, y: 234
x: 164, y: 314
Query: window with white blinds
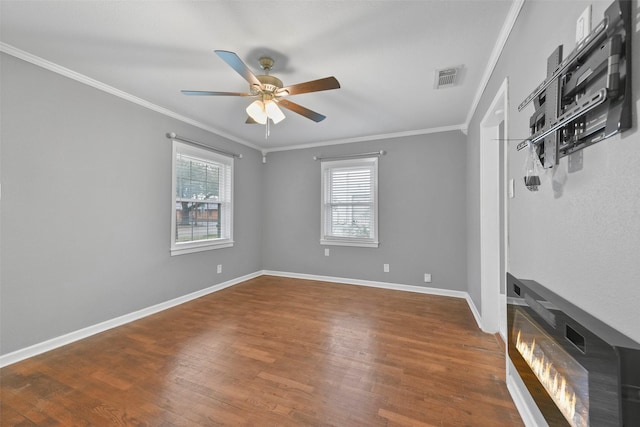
x: 202, y: 200
x: 350, y: 202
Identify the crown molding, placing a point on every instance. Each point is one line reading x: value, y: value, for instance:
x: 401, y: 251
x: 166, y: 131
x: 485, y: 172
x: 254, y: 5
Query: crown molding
x: 377, y: 137
x: 508, y: 25
x: 81, y: 78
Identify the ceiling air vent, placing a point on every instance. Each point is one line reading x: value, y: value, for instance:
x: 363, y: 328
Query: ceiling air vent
x: 446, y: 78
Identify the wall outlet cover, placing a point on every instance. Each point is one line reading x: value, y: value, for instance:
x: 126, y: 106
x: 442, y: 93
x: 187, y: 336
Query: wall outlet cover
x: 583, y: 24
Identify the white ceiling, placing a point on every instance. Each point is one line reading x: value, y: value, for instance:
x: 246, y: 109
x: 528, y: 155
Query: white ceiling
x: 383, y: 53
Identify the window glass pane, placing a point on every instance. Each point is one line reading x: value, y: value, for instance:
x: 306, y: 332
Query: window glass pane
x: 197, y: 221
x: 202, y: 200
x: 349, y: 202
x: 197, y: 179
x: 351, y: 221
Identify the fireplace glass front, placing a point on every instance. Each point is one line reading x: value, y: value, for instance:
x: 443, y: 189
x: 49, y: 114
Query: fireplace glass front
x: 564, y: 379
x: 579, y: 371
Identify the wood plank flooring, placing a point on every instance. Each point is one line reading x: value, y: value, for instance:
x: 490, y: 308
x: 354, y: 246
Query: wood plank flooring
x: 274, y: 352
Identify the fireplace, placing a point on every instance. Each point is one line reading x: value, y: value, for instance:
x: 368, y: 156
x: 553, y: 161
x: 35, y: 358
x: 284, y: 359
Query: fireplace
x: 579, y: 371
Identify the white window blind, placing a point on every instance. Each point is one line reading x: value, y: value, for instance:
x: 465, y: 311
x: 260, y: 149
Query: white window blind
x: 350, y: 202
x: 202, y: 200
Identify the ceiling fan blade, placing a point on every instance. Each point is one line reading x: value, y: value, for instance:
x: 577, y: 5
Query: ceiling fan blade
x: 236, y: 63
x: 208, y: 93
x: 250, y: 121
x: 312, y: 86
x: 296, y: 108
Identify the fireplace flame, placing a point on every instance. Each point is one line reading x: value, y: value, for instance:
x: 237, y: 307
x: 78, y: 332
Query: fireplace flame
x: 553, y: 381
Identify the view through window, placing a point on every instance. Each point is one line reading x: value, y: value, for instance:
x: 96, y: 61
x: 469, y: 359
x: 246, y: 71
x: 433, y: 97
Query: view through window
x: 202, y: 199
x: 350, y: 205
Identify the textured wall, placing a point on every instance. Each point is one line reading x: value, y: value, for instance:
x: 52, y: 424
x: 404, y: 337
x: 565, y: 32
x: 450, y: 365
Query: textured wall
x: 86, y: 208
x: 422, y: 205
x: 579, y: 234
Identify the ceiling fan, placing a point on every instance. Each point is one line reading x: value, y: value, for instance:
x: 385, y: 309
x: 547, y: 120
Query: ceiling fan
x: 269, y: 91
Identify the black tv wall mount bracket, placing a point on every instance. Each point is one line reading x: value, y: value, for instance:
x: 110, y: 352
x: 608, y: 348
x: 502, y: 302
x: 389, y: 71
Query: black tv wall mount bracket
x: 586, y: 97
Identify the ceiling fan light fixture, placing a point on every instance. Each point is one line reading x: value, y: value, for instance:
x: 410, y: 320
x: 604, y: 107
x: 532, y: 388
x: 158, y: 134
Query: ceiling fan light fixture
x: 256, y: 110
x: 269, y: 91
x: 274, y: 112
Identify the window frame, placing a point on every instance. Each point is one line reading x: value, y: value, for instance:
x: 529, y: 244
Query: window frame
x: 325, y: 237
x: 180, y: 248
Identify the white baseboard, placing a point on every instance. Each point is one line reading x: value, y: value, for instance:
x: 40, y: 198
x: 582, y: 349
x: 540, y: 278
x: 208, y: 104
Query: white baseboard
x: 529, y: 412
x: 370, y: 283
x: 53, y: 343
x: 384, y: 285
x: 474, y: 311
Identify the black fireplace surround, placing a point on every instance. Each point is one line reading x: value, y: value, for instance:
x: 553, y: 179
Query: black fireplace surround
x: 578, y: 370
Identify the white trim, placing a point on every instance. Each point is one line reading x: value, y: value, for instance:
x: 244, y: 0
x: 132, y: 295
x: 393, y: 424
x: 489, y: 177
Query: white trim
x: 347, y: 242
x: 491, y: 275
x: 200, y: 246
x: 226, y: 195
x: 326, y: 167
x: 505, y: 207
x: 459, y: 127
x: 509, y: 22
x: 529, y: 412
x: 474, y: 310
x: 489, y: 229
x: 54, y: 343
x: 369, y: 283
x: 382, y: 285
x: 58, y: 69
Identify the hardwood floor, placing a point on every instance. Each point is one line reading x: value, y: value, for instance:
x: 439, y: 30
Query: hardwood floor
x: 274, y: 352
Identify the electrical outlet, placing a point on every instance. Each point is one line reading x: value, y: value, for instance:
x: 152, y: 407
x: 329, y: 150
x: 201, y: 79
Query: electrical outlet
x: 326, y: 251
x: 219, y: 268
x: 386, y: 268
x: 427, y: 277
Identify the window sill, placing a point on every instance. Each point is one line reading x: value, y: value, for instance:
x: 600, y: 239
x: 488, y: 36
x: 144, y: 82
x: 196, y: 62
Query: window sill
x: 192, y: 248
x: 354, y: 243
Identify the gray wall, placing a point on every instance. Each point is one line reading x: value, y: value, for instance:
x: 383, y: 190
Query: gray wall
x: 422, y: 205
x: 85, y: 225
x: 86, y: 208
x: 579, y: 235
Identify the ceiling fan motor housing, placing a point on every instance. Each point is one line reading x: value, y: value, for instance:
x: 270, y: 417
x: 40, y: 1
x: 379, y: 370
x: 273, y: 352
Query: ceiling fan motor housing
x: 269, y: 89
x: 270, y: 83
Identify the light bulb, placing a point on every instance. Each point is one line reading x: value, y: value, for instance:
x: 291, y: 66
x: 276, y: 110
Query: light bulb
x: 256, y: 111
x: 274, y: 112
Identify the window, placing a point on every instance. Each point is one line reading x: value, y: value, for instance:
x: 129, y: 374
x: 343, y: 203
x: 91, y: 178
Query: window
x: 350, y: 202
x: 202, y: 200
